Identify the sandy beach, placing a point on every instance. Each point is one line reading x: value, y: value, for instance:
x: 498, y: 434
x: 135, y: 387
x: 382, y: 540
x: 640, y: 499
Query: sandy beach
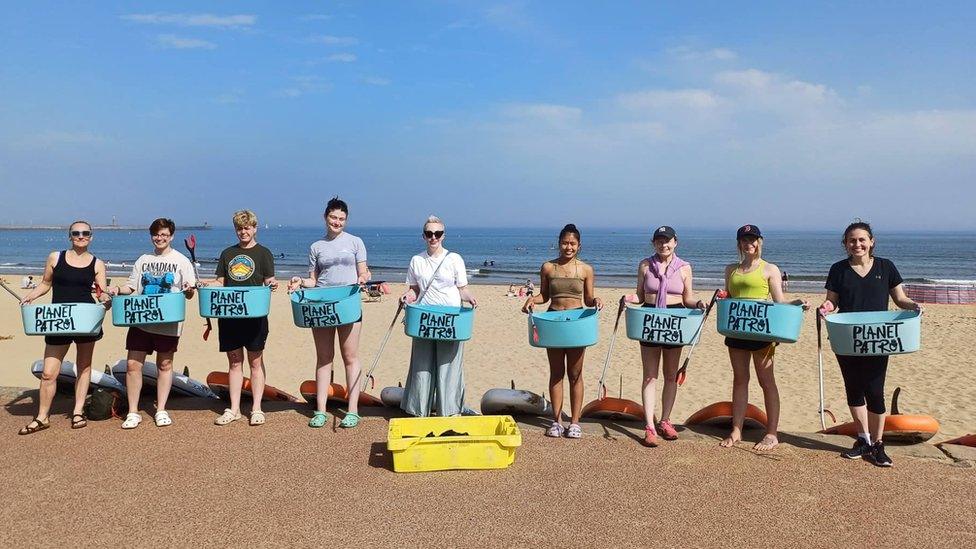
x: 938, y: 380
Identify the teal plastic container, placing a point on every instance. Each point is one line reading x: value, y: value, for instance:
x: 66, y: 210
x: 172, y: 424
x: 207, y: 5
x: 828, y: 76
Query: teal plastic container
x: 759, y: 320
x: 326, y: 307
x: 438, y: 322
x: 565, y: 329
x: 235, y: 302
x: 664, y: 326
x: 137, y: 310
x: 63, y: 319
x: 876, y: 333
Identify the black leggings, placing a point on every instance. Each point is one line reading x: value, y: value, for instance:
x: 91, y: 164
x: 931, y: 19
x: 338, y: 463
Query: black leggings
x: 864, y: 378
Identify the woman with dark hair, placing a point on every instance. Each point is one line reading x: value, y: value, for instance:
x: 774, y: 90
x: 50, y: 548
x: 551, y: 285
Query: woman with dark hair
x: 70, y: 274
x: 338, y: 259
x: 863, y: 282
x: 568, y: 283
x: 165, y: 270
x: 753, y: 278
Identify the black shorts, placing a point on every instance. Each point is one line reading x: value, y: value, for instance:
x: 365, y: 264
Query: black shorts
x: 661, y: 345
x: 68, y: 340
x: 249, y: 333
x: 144, y: 342
x: 747, y: 344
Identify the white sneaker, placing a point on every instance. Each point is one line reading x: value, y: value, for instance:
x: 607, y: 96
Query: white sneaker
x: 132, y: 420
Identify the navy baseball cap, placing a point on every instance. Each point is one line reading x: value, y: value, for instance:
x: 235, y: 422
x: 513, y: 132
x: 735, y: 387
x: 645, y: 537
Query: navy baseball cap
x: 665, y: 231
x: 748, y: 230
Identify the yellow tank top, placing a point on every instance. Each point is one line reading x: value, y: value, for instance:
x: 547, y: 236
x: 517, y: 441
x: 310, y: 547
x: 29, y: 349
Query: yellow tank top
x: 751, y: 285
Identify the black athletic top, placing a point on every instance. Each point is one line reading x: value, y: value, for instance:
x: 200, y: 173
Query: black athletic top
x: 867, y: 293
x: 72, y: 284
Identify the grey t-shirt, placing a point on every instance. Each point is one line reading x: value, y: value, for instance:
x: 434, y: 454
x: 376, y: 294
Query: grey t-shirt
x: 335, y: 260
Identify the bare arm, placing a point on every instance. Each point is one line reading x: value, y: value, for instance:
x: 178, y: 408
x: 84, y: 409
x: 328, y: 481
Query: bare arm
x: 589, y: 285
x: 688, y: 298
x: 101, y: 282
x: 46, y: 281
x: 466, y: 295
x: 830, y: 302
x: 775, y: 280
x: 903, y: 301
x: 363, y: 272
x: 641, y: 273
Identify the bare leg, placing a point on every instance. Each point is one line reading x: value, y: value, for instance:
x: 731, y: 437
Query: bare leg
x: 235, y: 378
x: 574, y: 370
x: 164, y: 379
x: 133, y: 379
x: 672, y: 362
x: 876, y: 424
x: 83, y: 361
x: 255, y: 360
x: 557, y: 371
x: 324, y: 355
x: 349, y: 348
x: 650, y: 357
x: 740, y: 393
x: 764, y: 372
x: 860, y: 415
x: 53, y: 355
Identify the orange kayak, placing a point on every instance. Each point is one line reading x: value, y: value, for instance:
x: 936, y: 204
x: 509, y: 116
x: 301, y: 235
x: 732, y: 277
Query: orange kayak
x: 337, y: 393
x: 614, y: 408
x: 966, y: 440
x: 219, y: 384
x: 901, y: 428
x: 720, y: 413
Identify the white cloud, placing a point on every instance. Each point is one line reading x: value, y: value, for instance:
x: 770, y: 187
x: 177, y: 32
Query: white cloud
x: 377, y: 81
x: 341, y: 58
x: 306, y: 85
x: 686, y: 53
x: 194, y: 20
x: 696, y: 99
x: 331, y: 40
x: 171, y: 41
x: 758, y: 83
x: 545, y: 112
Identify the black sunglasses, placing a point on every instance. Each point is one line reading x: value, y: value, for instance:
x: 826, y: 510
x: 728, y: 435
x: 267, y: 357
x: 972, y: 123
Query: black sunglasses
x: 78, y: 234
x: 433, y: 234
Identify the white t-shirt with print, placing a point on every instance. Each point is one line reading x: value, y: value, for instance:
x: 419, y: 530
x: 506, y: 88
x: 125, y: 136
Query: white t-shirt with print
x: 450, y: 276
x: 158, y: 265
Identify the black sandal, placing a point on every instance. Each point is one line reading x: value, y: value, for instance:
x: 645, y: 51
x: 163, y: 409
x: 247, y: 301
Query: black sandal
x: 79, y: 423
x: 38, y: 425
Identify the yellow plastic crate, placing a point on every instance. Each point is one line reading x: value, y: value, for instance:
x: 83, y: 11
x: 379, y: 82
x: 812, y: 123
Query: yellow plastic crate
x: 489, y: 442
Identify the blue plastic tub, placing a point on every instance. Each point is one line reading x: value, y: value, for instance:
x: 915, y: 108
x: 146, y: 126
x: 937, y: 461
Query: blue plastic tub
x: 326, y: 307
x: 235, y: 302
x: 565, y: 329
x: 875, y: 333
x: 136, y: 310
x: 438, y: 322
x: 63, y: 319
x: 759, y: 320
x: 665, y: 326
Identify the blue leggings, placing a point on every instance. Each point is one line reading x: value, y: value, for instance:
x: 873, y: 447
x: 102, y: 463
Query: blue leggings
x: 864, y: 379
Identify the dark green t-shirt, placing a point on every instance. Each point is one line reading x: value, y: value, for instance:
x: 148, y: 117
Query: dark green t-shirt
x: 245, y: 266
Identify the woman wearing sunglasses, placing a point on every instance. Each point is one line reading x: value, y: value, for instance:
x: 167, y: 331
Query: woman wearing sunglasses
x: 569, y: 283
x: 70, y: 275
x: 338, y: 259
x: 436, y: 277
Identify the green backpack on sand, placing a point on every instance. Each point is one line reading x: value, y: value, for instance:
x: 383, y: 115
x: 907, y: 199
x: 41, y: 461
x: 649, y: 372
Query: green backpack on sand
x: 103, y: 404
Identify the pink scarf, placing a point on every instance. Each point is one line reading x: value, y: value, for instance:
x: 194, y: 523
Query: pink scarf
x: 655, y: 268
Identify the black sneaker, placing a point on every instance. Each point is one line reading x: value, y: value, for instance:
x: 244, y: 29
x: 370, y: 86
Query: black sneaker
x: 878, y: 455
x: 860, y: 450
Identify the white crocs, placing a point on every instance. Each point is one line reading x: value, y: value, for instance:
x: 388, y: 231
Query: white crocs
x: 132, y: 420
x: 162, y: 418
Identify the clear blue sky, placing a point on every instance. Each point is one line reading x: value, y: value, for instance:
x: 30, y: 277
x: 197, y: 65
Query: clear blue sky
x: 785, y: 114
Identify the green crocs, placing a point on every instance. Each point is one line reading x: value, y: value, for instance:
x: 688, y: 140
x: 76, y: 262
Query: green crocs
x: 350, y: 420
x: 318, y: 420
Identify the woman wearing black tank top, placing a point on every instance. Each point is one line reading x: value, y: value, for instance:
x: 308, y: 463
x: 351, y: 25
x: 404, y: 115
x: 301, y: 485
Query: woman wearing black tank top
x: 70, y: 274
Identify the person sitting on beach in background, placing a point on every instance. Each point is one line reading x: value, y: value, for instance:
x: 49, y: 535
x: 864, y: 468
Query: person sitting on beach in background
x: 27, y: 283
x: 512, y: 291
x: 246, y: 263
x: 338, y: 259
x: 69, y: 274
x: 861, y: 283
x: 753, y: 278
x: 663, y: 281
x: 568, y: 283
x: 165, y: 270
x: 436, y: 277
